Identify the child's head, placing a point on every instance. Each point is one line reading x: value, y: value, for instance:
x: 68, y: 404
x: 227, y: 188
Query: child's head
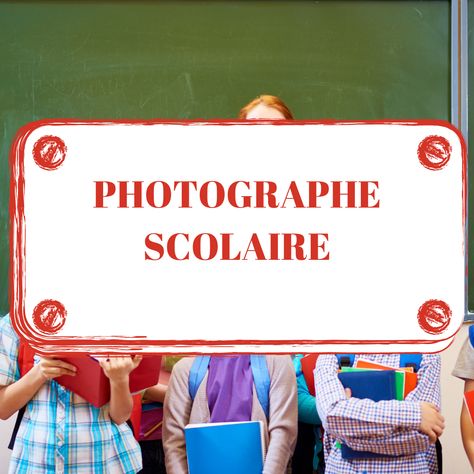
x: 267, y: 107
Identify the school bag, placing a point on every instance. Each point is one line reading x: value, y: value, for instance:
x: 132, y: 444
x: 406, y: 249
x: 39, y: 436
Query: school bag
x: 261, y: 378
x: 406, y: 360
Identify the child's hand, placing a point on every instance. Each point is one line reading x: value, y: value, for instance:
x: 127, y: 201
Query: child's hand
x: 432, y: 422
x: 118, y: 368
x: 51, y: 368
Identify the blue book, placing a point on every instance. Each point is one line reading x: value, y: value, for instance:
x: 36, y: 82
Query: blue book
x: 376, y: 385
x: 231, y: 448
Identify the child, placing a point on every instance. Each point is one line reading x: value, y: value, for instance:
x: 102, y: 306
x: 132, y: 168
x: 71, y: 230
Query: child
x: 151, y: 425
x: 266, y: 107
x: 308, y: 457
x: 228, y: 393
x: 60, y: 432
x: 405, y: 430
x: 150, y: 434
x: 464, y: 369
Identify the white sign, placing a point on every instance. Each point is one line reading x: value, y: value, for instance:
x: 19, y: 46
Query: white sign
x: 233, y: 237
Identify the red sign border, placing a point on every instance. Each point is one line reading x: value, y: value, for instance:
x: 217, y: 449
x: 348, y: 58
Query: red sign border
x: 81, y: 344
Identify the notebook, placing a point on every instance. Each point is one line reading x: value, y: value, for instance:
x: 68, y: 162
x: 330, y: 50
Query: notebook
x: 376, y: 385
x: 308, y: 363
x: 230, y: 448
x: 399, y: 380
x: 469, y: 402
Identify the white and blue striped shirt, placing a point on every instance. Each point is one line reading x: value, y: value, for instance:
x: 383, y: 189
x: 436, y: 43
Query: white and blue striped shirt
x: 60, y: 432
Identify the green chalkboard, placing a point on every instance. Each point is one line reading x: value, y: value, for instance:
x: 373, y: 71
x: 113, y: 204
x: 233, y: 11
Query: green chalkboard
x: 205, y: 59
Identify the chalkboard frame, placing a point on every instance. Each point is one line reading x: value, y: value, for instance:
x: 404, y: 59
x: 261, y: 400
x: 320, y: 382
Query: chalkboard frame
x: 459, y: 104
x: 459, y: 20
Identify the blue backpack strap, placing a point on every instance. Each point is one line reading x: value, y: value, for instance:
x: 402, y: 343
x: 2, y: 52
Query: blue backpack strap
x: 345, y: 360
x: 197, y: 373
x: 471, y: 334
x: 411, y: 360
x: 261, y: 379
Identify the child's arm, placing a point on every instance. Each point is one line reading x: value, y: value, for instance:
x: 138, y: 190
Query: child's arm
x: 118, y: 369
x: 467, y: 427
x: 464, y: 369
x: 283, y: 420
x: 307, y: 412
x: 19, y: 393
x: 391, y: 427
x: 16, y: 392
x: 156, y: 393
x: 176, y: 414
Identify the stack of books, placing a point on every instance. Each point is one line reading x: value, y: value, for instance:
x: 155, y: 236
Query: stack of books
x: 376, y: 382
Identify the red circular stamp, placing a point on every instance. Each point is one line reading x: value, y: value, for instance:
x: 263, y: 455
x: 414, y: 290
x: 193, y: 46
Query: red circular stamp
x: 49, y: 316
x: 434, y: 316
x: 49, y: 152
x: 434, y: 152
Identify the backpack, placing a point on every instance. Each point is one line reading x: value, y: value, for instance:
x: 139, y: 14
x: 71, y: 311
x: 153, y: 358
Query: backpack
x: 26, y: 362
x: 471, y: 334
x: 261, y: 378
x: 406, y: 360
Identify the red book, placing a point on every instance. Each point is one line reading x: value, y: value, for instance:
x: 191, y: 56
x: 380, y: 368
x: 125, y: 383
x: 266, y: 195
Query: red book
x: 308, y: 363
x: 469, y: 401
x: 92, y: 384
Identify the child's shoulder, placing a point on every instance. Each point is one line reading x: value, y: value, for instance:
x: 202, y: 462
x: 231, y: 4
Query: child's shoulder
x: 183, y: 365
x: 400, y: 360
x: 279, y: 359
x: 464, y: 368
x: 430, y: 358
x: 6, y: 328
x: 279, y: 362
x: 5, y: 321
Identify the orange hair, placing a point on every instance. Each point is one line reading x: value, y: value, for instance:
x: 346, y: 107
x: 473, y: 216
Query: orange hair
x: 270, y: 101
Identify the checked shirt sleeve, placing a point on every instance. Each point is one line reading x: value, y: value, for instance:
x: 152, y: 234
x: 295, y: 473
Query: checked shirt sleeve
x: 9, y: 346
x: 388, y: 427
x: 428, y: 388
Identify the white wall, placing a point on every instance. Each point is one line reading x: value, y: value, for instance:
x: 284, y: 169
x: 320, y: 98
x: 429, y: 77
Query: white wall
x: 455, y: 461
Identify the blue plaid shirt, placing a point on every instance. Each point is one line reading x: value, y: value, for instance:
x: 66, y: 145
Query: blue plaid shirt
x: 60, y: 432
x: 387, y: 427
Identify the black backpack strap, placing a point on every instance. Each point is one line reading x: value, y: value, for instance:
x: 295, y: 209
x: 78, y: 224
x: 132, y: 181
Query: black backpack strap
x: 439, y: 456
x: 19, y: 417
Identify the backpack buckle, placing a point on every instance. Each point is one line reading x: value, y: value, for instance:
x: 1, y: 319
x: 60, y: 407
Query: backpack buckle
x: 345, y: 361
